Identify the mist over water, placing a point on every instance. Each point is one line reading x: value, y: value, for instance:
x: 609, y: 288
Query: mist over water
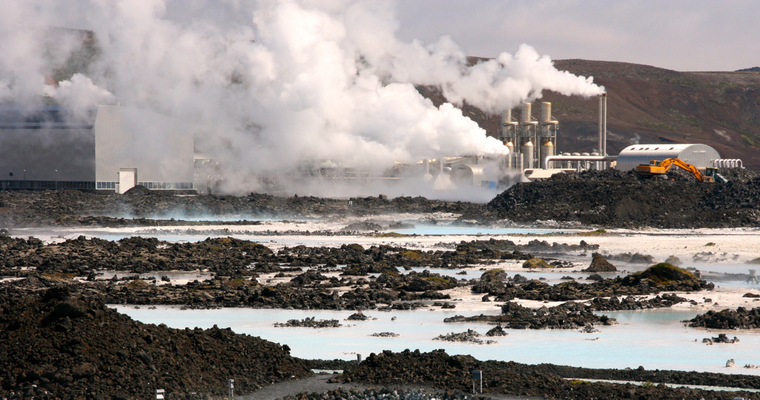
x: 270, y: 85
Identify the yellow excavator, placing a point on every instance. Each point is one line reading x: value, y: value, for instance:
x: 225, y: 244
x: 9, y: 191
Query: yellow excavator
x: 657, y: 168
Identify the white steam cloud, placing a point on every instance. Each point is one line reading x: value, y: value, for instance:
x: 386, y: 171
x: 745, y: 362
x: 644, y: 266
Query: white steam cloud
x: 272, y: 83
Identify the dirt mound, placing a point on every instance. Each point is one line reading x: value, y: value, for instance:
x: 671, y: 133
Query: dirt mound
x: 54, y: 345
x: 621, y: 199
x: 138, y: 190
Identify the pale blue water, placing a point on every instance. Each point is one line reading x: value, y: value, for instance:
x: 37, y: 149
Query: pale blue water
x: 654, y: 339
x: 475, y: 230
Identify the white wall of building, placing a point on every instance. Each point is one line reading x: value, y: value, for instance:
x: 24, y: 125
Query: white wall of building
x: 156, y: 148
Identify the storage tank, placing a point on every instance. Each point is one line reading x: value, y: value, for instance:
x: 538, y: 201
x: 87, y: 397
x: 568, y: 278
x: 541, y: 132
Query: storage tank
x: 527, y: 150
x: 698, y: 155
x: 547, y: 149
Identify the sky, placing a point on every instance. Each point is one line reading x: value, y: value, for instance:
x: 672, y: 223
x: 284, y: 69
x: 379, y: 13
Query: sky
x: 682, y: 35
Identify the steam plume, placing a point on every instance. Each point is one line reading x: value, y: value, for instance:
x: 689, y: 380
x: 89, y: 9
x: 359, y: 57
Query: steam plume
x: 269, y: 84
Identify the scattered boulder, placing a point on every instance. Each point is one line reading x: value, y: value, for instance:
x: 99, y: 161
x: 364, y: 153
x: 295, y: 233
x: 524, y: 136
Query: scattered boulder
x: 568, y: 315
x: 497, y: 331
x: 722, y: 338
x: 666, y: 275
x: 309, y: 323
x: 362, y: 226
x: 631, y: 258
x: 600, y: 264
x: 536, y: 263
x: 470, y: 336
x: 741, y: 318
x: 385, y: 334
x: 673, y: 260
x: 359, y: 316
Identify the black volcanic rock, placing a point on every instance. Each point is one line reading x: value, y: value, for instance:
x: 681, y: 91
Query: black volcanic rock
x: 600, y: 264
x: 438, y: 369
x: 622, y: 199
x: 741, y: 318
x: 53, y: 345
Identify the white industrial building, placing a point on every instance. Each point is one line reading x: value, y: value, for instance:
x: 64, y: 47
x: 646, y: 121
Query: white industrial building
x: 698, y: 155
x: 137, y: 147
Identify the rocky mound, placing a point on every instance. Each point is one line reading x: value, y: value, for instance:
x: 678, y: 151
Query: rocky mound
x: 651, y: 281
x: 536, y: 263
x: 600, y: 264
x: 721, y: 338
x: 632, y: 303
x: 470, y: 336
x: 309, y: 322
x: 438, y: 369
x: 741, y: 318
x: 665, y: 275
x: 622, y: 199
x: 54, y: 345
x: 564, y: 316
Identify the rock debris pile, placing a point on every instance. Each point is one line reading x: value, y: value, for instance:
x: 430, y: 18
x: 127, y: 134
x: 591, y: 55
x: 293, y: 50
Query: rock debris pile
x: 613, y: 198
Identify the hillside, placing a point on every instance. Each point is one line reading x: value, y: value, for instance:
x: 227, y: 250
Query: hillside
x: 653, y: 105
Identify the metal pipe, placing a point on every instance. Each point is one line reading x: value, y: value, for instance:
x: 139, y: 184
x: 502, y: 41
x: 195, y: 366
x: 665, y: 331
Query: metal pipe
x: 547, y: 160
x: 601, y: 121
x: 603, y: 150
x: 727, y: 163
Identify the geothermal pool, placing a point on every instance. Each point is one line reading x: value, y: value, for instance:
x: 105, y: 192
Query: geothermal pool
x: 655, y: 339
x: 652, y: 339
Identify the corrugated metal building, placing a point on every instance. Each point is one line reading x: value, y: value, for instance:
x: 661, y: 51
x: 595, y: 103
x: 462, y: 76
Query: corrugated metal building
x: 699, y: 155
x: 110, y: 149
x: 46, y: 148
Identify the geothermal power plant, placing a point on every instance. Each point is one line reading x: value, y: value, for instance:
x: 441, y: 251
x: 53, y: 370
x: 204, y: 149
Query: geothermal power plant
x: 114, y: 148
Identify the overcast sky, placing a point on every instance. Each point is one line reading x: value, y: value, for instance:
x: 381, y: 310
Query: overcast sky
x: 683, y: 35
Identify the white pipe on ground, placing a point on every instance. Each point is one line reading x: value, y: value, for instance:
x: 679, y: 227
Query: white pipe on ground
x: 547, y: 160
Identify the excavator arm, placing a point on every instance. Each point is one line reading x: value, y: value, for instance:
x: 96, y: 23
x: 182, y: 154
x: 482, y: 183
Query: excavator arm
x: 661, y: 167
